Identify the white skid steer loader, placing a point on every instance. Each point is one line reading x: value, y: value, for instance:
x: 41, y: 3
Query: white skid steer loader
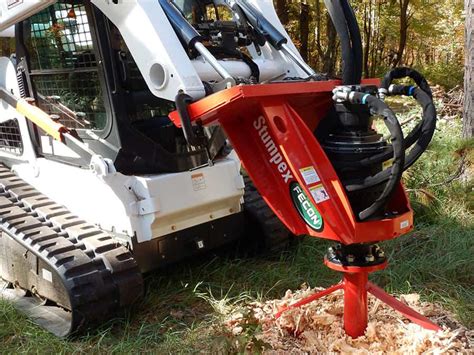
x: 97, y: 184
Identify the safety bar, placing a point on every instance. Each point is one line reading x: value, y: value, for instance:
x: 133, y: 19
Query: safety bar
x: 43, y: 120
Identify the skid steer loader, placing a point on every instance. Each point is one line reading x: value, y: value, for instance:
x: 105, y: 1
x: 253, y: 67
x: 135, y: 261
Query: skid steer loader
x: 123, y: 127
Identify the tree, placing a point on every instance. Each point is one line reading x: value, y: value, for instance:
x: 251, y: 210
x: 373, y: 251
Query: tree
x: 304, y: 30
x: 404, y: 23
x: 468, y: 130
x: 367, y: 23
x: 282, y: 11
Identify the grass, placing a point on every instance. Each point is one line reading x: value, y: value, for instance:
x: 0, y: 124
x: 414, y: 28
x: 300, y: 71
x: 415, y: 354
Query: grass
x: 184, y: 304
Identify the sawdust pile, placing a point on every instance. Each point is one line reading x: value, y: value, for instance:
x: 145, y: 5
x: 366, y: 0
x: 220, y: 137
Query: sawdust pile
x: 317, y: 327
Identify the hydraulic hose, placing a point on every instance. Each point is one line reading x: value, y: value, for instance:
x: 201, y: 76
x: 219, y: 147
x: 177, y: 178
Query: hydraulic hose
x: 404, y: 72
x: 378, y: 107
x: 338, y: 18
x: 428, y: 123
x: 424, y: 131
x: 356, y: 39
x: 234, y: 53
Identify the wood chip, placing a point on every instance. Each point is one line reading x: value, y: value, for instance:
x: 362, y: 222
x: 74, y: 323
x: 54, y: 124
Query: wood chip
x: 318, y: 328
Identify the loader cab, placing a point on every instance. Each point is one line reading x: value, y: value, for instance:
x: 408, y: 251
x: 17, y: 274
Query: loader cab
x: 76, y: 65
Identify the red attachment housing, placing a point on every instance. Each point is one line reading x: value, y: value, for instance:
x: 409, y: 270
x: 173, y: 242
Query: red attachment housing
x: 271, y: 129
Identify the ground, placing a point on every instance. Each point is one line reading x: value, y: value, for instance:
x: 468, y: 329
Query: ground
x: 186, y: 306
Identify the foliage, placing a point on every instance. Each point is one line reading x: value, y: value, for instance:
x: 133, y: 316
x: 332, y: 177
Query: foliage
x: 448, y: 75
x: 434, y: 36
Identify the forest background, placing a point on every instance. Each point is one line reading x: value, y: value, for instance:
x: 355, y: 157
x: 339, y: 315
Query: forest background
x: 425, y: 34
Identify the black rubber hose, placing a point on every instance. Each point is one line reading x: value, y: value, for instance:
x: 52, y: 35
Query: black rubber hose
x: 427, y: 129
x: 415, y: 134
x: 182, y: 101
x: 428, y: 126
x: 235, y: 53
x: 411, y: 139
x: 404, y: 72
x: 378, y: 107
x: 356, y: 39
x: 338, y: 18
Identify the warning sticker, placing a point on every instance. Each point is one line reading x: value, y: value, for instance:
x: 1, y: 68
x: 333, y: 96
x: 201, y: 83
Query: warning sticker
x: 310, y: 176
x: 319, y: 193
x: 199, y: 182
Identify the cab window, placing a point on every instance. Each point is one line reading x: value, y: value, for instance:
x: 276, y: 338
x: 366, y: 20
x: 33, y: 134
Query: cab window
x: 63, y: 66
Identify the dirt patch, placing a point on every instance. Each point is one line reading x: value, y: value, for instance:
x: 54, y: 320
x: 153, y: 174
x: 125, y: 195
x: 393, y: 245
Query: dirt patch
x: 318, y: 327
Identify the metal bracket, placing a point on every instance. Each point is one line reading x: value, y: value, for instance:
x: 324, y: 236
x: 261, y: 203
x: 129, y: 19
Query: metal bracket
x: 143, y: 207
x: 101, y: 167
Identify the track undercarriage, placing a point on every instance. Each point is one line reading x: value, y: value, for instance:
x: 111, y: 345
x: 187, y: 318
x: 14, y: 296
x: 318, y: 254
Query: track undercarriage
x: 60, y: 270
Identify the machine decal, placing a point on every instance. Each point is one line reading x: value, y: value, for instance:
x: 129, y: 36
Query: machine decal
x: 276, y: 157
x: 306, y: 209
x: 199, y: 182
x: 319, y: 193
x: 310, y: 176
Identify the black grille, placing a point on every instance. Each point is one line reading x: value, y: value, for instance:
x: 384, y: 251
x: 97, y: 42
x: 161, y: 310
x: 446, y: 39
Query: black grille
x: 76, y: 98
x: 61, y: 38
x: 63, y: 66
x: 10, y: 137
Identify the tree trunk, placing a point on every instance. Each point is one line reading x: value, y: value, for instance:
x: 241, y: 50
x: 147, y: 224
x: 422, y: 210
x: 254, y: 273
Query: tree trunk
x: 282, y: 11
x: 329, y: 63
x: 468, y: 126
x: 397, y: 59
x: 304, y: 30
x: 368, y: 36
x: 377, y: 43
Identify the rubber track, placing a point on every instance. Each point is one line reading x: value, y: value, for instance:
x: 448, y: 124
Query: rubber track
x: 100, y: 274
x: 275, y: 236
